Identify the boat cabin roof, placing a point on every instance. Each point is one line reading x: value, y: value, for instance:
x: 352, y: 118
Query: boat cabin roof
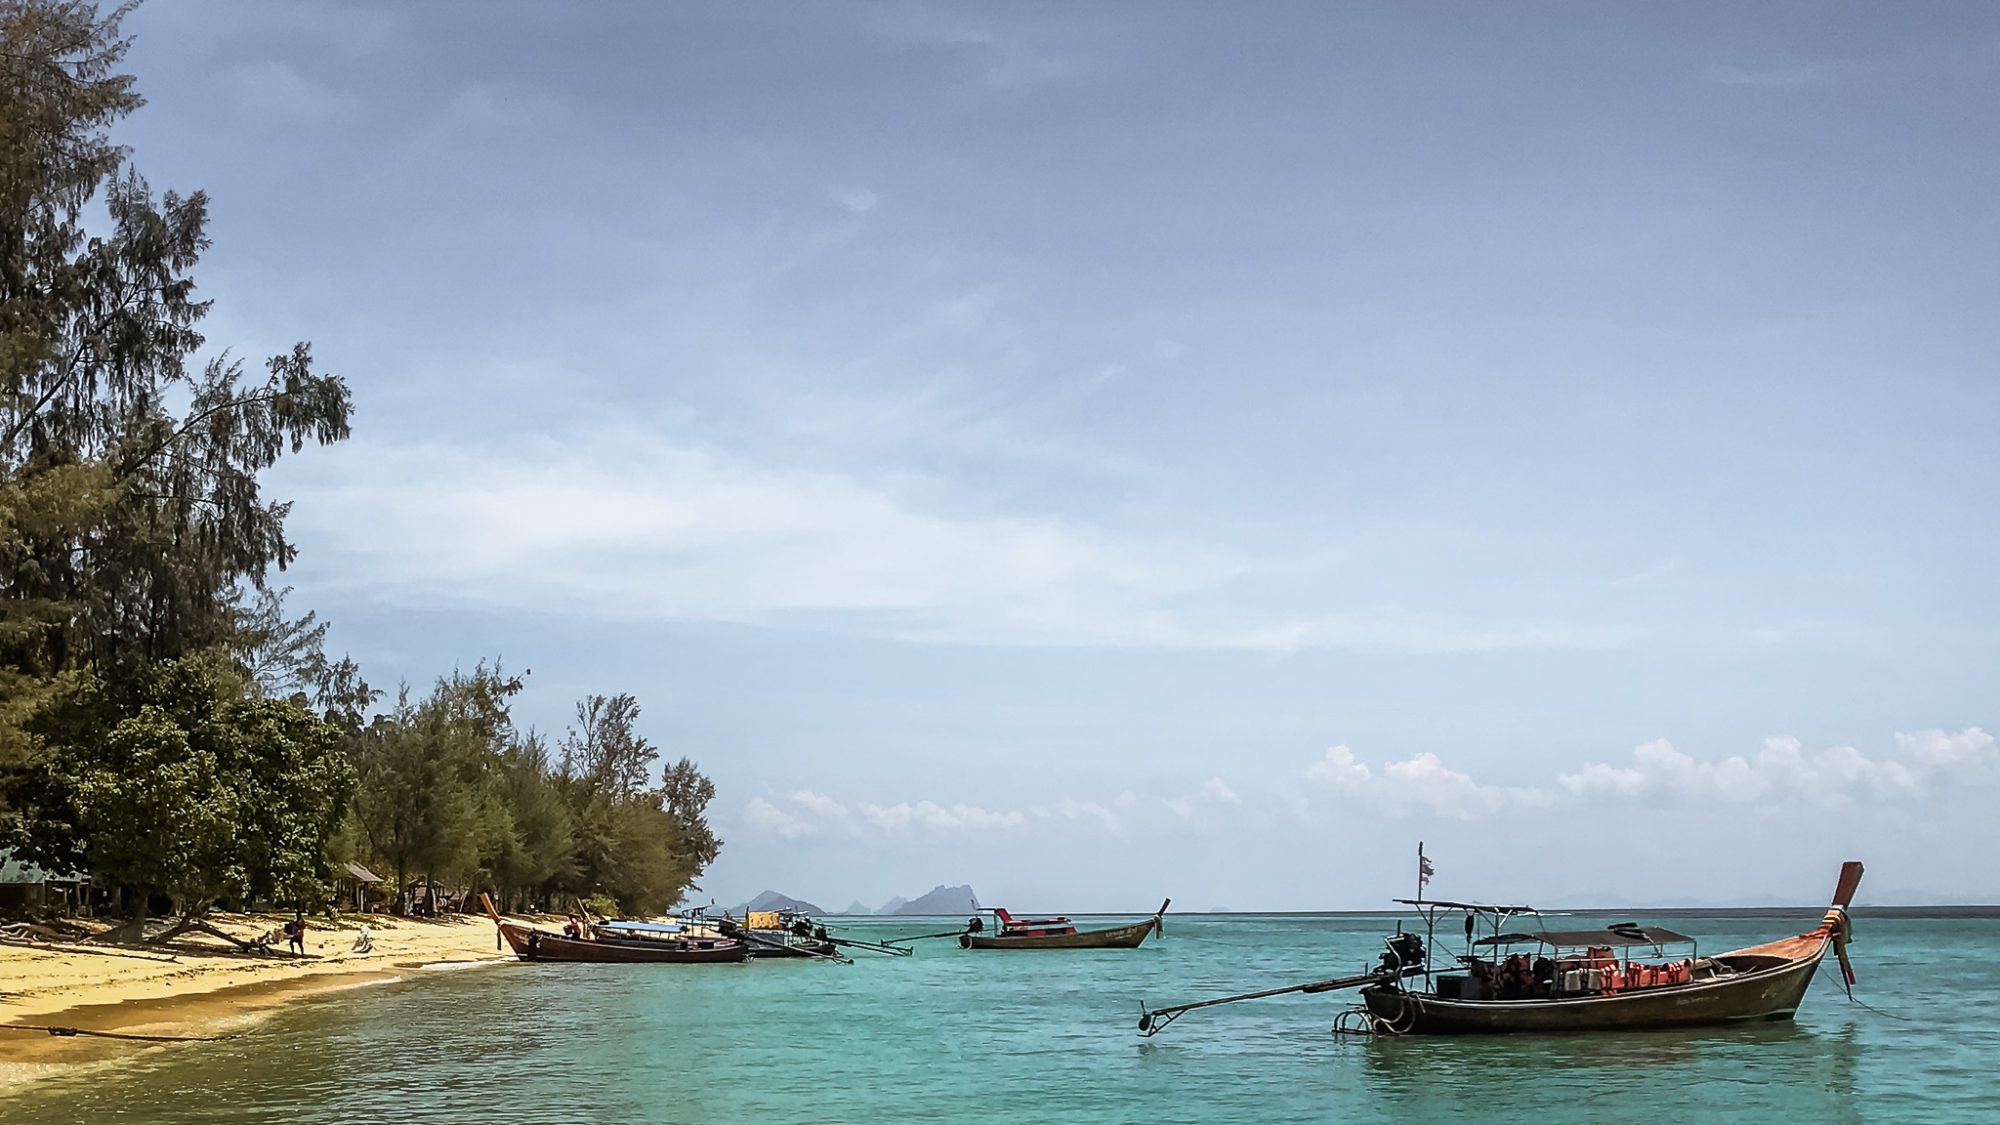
x: 642, y: 927
x: 1617, y: 937
x: 1475, y: 907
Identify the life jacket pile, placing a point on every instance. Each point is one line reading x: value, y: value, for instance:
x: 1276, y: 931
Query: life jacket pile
x: 1600, y: 972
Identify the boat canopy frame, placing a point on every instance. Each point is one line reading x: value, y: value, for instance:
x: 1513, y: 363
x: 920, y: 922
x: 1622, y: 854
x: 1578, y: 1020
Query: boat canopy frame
x: 1430, y: 910
x: 1623, y: 936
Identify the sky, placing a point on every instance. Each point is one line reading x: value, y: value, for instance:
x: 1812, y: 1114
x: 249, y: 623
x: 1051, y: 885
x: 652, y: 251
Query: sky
x: 1105, y: 452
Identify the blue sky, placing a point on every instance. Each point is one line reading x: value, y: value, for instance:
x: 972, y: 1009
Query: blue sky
x: 1101, y: 453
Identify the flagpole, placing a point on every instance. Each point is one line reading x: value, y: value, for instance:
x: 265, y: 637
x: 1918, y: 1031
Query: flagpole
x: 1420, y: 871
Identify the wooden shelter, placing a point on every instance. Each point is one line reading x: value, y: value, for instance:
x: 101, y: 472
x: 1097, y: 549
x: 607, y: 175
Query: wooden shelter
x: 353, y: 886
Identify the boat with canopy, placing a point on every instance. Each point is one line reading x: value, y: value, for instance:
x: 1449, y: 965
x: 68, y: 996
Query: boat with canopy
x: 1010, y: 932
x: 617, y: 943
x: 1056, y: 933
x: 1516, y: 974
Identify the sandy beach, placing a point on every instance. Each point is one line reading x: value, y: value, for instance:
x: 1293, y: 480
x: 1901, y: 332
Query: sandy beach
x: 200, y: 988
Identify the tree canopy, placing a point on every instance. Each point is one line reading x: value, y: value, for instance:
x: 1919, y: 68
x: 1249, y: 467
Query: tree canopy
x: 165, y: 722
x: 183, y: 783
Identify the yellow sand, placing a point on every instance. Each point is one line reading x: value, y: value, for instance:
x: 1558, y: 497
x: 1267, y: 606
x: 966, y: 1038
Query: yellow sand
x: 205, y: 993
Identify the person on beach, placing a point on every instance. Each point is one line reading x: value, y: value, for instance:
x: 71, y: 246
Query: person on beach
x: 295, y: 930
x: 364, y: 942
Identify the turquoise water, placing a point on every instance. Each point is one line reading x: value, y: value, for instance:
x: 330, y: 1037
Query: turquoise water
x: 949, y: 1035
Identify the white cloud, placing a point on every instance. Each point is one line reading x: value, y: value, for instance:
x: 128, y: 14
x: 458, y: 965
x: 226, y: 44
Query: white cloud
x: 1782, y: 771
x: 1941, y: 748
x: 1339, y: 769
x: 1217, y: 789
x: 804, y: 813
x: 627, y: 525
x: 1088, y: 810
x: 768, y: 818
x: 930, y: 814
x: 820, y: 805
x: 1421, y: 782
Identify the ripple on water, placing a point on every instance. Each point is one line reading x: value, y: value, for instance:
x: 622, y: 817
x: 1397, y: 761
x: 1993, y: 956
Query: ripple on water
x: 955, y: 1036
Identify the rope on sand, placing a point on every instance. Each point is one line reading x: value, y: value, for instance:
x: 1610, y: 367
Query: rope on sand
x: 69, y: 1031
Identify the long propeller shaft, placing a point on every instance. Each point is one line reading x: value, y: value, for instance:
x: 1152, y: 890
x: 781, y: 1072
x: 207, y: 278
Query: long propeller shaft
x: 1155, y: 1020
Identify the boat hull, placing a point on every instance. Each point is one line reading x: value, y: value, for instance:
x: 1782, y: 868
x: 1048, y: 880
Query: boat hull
x: 1121, y: 937
x: 1769, y: 992
x: 530, y: 944
x: 794, y: 949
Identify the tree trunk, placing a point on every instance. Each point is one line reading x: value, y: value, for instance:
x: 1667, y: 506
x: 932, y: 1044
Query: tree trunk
x: 133, y: 929
x: 190, y: 919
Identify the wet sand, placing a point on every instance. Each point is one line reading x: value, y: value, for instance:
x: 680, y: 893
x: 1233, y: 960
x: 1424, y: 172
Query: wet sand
x: 215, y: 992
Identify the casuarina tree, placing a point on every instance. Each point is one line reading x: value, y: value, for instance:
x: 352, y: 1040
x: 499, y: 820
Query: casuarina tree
x: 129, y: 447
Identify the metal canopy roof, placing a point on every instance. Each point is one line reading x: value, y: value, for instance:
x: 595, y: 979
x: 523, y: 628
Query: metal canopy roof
x: 1475, y: 907
x: 642, y: 927
x: 1619, y: 937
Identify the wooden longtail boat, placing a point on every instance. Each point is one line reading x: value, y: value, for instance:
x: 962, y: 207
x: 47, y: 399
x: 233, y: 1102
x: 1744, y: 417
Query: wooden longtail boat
x: 1058, y: 933
x: 1574, y: 981
x: 531, y: 944
x: 780, y: 933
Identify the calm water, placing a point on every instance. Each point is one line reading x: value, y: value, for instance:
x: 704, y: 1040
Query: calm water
x: 955, y: 1036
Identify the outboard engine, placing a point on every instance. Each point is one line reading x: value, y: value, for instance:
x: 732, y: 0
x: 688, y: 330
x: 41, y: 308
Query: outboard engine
x: 974, y: 924
x: 1404, y: 951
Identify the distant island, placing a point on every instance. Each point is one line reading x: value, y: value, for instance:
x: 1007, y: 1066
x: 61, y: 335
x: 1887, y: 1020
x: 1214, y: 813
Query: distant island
x: 772, y: 900
x: 939, y: 900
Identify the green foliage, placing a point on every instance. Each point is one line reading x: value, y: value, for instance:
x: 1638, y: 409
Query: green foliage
x: 135, y: 548
x: 539, y: 848
x: 450, y: 791
x: 642, y: 847
x: 122, y: 519
x: 186, y: 783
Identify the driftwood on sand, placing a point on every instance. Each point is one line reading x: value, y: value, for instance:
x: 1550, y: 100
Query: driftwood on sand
x: 25, y: 938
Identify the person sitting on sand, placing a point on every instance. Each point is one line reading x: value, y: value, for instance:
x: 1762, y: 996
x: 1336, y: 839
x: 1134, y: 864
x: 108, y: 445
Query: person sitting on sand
x: 364, y: 942
x: 296, y: 932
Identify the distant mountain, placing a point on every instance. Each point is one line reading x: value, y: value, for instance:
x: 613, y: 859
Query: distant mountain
x: 772, y: 900
x: 857, y: 907
x: 938, y: 900
x: 893, y: 906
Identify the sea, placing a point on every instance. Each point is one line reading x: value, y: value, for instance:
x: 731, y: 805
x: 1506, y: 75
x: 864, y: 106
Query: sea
x: 1003, y: 1038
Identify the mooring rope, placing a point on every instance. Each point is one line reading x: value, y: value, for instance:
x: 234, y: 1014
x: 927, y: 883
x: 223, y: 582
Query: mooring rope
x: 66, y: 1032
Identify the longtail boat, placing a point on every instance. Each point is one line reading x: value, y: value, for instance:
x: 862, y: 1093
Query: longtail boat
x: 1615, y: 978
x: 1056, y: 933
x: 532, y: 944
x: 771, y: 933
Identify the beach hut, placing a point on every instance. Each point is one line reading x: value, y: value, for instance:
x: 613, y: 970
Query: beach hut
x: 25, y: 886
x: 353, y: 884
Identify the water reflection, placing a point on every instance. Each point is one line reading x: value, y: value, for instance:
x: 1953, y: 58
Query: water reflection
x: 1777, y: 1066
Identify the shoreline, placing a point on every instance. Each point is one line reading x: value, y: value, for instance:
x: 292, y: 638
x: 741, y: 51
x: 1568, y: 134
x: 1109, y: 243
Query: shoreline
x: 205, y: 994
